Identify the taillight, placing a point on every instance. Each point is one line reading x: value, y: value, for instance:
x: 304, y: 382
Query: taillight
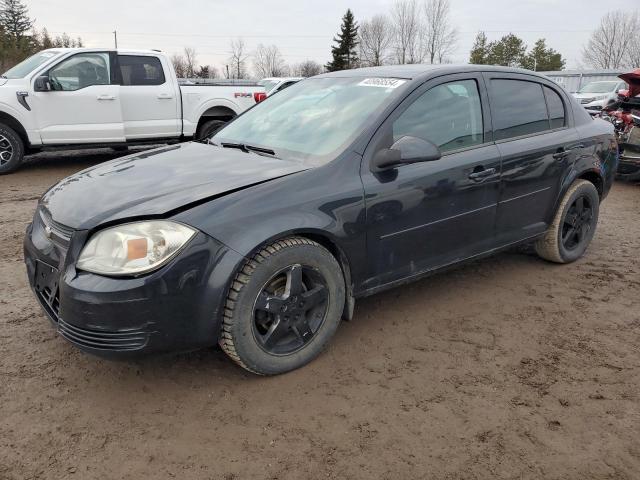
x: 259, y: 96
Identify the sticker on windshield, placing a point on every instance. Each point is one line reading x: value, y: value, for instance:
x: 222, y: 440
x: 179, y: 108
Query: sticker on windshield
x: 382, y: 82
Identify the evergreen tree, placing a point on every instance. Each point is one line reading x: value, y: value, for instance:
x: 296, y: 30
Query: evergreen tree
x: 480, y: 50
x: 543, y: 59
x: 344, y: 52
x: 509, y: 51
x: 14, y: 18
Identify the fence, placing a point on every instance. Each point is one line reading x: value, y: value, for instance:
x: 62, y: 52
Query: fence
x: 574, y: 80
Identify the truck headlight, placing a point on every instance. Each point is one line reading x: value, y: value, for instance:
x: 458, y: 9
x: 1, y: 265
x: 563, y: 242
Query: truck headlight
x: 133, y: 248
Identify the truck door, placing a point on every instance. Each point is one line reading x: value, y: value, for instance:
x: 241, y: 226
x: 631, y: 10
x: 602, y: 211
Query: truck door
x: 83, y: 105
x: 149, y: 98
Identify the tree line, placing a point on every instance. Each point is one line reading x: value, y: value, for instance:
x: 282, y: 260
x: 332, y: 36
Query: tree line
x: 412, y: 31
x: 20, y: 38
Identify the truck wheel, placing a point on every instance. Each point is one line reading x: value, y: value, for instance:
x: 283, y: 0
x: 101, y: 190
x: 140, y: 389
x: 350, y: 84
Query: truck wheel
x: 573, y: 226
x: 11, y: 149
x: 208, y: 128
x: 283, y: 307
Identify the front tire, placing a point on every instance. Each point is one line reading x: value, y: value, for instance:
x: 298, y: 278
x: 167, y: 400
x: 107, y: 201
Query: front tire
x: 573, y: 226
x: 11, y: 149
x: 283, y: 307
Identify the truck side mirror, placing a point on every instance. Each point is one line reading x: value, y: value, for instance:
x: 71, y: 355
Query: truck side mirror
x: 42, y: 84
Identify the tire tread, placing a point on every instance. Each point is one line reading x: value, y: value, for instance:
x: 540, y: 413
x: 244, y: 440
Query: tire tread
x: 241, y: 279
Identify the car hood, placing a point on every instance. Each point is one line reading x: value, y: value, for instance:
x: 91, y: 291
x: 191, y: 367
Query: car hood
x: 156, y: 182
x: 591, y: 95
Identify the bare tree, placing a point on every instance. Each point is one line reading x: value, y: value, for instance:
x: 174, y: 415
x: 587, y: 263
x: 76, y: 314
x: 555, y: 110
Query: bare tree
x: 237, y: 67
x: 609, y: 43
x: 190, y: 62
x: 376, y: 36
x: 439, y: 37
x: 405, y: 18
x: 268, y: 62
x: 633, y: 51
x: 308, y: 68
x: 179, y: 65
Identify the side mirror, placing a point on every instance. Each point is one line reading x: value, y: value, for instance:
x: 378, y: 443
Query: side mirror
x: 42, y: 84
x: 406, y: 150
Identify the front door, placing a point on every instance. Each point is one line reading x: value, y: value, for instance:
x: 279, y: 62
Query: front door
x: 426, y: 215
x: 150, y: 104
x: 83, y: 105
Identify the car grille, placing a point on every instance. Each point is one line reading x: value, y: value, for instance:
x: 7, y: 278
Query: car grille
x: 57, y: 232
x: 103, y: 340
x: 586, y: 100
x: 125, y: 340
x: 50, y: 301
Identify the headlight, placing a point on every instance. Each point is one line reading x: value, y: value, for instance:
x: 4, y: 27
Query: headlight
x: 133, y: 248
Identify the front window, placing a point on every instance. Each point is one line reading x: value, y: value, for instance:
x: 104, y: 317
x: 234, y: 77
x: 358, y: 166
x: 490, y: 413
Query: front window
x: 313, y: 119
x: 81, y: 71
x: 27, y: 66
x: 598, y: 87
x: 449, y: 115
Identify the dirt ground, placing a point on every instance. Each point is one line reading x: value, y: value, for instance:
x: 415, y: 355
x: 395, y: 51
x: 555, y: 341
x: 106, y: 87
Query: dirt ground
x: 506, y: 368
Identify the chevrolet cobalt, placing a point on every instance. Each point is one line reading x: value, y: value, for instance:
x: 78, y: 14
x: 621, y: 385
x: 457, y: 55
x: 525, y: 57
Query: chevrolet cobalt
x: 343, y: 185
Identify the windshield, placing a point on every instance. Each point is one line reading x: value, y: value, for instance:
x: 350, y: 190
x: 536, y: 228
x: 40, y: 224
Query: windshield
x: 268, y: 84
x: 29, y: 65
x: 312, y: 119
x: 598, y: 87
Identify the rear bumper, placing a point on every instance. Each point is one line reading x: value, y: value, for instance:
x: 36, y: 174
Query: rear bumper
x: 178, y: 307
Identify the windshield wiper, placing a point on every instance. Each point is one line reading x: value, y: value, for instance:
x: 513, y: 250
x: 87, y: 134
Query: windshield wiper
x: 249, y: 148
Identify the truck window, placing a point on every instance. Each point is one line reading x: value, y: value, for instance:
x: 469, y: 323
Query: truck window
x: 81, y: 71
x: 140, y: 70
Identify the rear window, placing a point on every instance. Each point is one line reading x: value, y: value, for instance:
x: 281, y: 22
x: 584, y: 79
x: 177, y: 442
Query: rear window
x: 140, y: 70
x: 518, y: 107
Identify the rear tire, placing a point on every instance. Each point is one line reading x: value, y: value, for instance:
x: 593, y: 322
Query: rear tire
x: 573, y: 226
x: 283, y: 307
x: 11, y: 149
x: 208, y: 128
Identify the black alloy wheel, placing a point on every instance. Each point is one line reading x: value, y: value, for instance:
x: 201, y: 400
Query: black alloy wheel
x: 577, y: 223
x: 290, y: 309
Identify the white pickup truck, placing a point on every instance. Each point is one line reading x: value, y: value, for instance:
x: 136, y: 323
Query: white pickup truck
x: 82, y: 97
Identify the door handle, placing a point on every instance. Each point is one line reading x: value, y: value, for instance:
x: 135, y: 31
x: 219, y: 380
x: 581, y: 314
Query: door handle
x: 563, y: 152
x: 106, y: 97
x: 481, y: 174
x: 165, y: 96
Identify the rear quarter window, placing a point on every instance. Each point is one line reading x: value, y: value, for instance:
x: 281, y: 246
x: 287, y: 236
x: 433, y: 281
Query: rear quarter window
x: 555, y: 105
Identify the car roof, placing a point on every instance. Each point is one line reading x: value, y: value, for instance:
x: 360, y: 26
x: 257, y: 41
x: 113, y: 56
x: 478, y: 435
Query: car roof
x: 423, y: 71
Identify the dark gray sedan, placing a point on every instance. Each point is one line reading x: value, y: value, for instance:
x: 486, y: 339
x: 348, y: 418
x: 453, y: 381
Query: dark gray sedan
x: 343, y: 185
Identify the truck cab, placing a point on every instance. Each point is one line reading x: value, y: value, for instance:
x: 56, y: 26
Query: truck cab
x: 80, y: 97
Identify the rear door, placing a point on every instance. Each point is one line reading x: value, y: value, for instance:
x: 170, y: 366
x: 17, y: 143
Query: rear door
x: 149, y: 98
x: 532, y: 129
x: 425, y: 215
x: 83, y: 105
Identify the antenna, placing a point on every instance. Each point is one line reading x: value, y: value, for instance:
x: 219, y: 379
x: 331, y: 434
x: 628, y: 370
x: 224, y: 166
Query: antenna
x: 115, y: 38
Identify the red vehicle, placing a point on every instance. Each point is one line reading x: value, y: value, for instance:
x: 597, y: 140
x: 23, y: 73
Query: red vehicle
x: 624, y: 113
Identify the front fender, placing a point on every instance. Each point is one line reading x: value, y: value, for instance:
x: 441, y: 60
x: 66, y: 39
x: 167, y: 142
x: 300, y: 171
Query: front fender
x: 325, y: 203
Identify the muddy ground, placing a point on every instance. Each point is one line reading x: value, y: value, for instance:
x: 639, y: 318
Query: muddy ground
x: 506, y: 368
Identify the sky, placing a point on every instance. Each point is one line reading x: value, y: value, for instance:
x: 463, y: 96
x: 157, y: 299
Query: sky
x: 304, y: 29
